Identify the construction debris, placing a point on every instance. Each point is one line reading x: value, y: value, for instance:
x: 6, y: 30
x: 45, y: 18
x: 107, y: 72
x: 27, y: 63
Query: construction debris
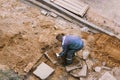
x: 105, y: 68
x: 23, y: 26
x: 75, y: 72
x: 44, y: 12
x: 85, y: 54
x: 82, y: 78
x: 116, y: 72
x: 72, y: 67
x: 98, y: 69
x: 46, y: 54
x: 43, y: 71
x: 83, y: 71
x: 107, y: 76
x: 89, y: 64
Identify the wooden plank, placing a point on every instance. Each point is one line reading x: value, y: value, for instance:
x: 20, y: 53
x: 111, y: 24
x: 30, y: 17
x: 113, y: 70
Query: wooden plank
x: 78, y: 9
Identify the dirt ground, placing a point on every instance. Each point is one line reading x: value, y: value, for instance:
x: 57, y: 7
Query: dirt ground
x: 26, y: 34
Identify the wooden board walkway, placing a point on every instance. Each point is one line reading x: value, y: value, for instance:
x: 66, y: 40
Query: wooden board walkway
x: 74, y: 6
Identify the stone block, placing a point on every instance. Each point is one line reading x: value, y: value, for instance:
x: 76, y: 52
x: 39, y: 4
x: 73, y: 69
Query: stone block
x: 44, y: 12
x: 43, y: 71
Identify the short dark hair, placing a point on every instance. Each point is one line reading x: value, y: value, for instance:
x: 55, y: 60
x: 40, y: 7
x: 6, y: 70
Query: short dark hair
x: 59, y: 36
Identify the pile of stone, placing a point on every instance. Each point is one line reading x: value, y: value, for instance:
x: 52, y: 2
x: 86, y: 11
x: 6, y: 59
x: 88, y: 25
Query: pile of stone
x: 85, y: 70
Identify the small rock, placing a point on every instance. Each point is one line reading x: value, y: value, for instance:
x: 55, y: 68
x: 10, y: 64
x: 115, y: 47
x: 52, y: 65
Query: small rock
x: 97, y: 69
x: 89, y: 63
x: 107, y: 76
x: 85, y: 54
x: 44, y: 12
x: 85, y: 29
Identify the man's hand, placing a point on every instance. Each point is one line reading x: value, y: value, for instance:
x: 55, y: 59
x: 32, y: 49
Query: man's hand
x: 57, y: 55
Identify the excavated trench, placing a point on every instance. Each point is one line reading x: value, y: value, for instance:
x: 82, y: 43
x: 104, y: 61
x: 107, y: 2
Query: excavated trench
x: 23, y: 45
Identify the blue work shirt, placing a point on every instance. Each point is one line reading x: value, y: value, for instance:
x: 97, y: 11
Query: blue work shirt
x: 70, y: 42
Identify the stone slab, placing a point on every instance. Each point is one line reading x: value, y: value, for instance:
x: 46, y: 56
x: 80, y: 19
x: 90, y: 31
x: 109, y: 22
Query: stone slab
x: 83, y: 72
x: 43, y: 71
x: 72, y: 67
x: 107, y: 76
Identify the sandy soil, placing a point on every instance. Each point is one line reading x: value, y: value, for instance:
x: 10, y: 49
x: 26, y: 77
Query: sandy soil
x: 25, y: 35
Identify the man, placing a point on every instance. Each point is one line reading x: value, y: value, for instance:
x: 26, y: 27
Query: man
x: 70, y: 45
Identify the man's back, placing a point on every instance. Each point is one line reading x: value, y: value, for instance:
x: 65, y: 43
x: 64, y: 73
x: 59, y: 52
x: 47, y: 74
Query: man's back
x: 72, y: 42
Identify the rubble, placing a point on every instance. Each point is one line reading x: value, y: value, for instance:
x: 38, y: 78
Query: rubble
x: 75, y: 73
x: 89, y: 64
x: 28, y: 67
x: 85, y: 54
x: 85, y: 29
x: 18, y: 54
x: 107, y: 76
x: 82, y: 78
x: 44, y: 12
x: 97, y: 69
x: 43, y: 71
x: 72, y: 67
x: 53, y: 61
x: 106, y: 68
x: 116, y: 72
x: 83, y: 71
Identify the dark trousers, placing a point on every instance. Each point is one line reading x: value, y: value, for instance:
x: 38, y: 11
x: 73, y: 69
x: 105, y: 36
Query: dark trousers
x: 68, y: 58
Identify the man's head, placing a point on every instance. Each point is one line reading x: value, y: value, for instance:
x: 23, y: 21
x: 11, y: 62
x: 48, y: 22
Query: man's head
x: 59, y: 37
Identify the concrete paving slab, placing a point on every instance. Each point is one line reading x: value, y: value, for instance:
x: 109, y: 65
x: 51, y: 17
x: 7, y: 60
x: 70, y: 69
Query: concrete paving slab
x: 107, y: 76
x: 43, y: 71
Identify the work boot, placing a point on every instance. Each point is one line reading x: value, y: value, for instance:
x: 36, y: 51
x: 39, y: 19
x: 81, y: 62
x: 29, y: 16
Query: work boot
x: 68, y: 61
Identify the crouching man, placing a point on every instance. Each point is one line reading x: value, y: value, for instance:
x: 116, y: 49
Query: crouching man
x: 70, y: 45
